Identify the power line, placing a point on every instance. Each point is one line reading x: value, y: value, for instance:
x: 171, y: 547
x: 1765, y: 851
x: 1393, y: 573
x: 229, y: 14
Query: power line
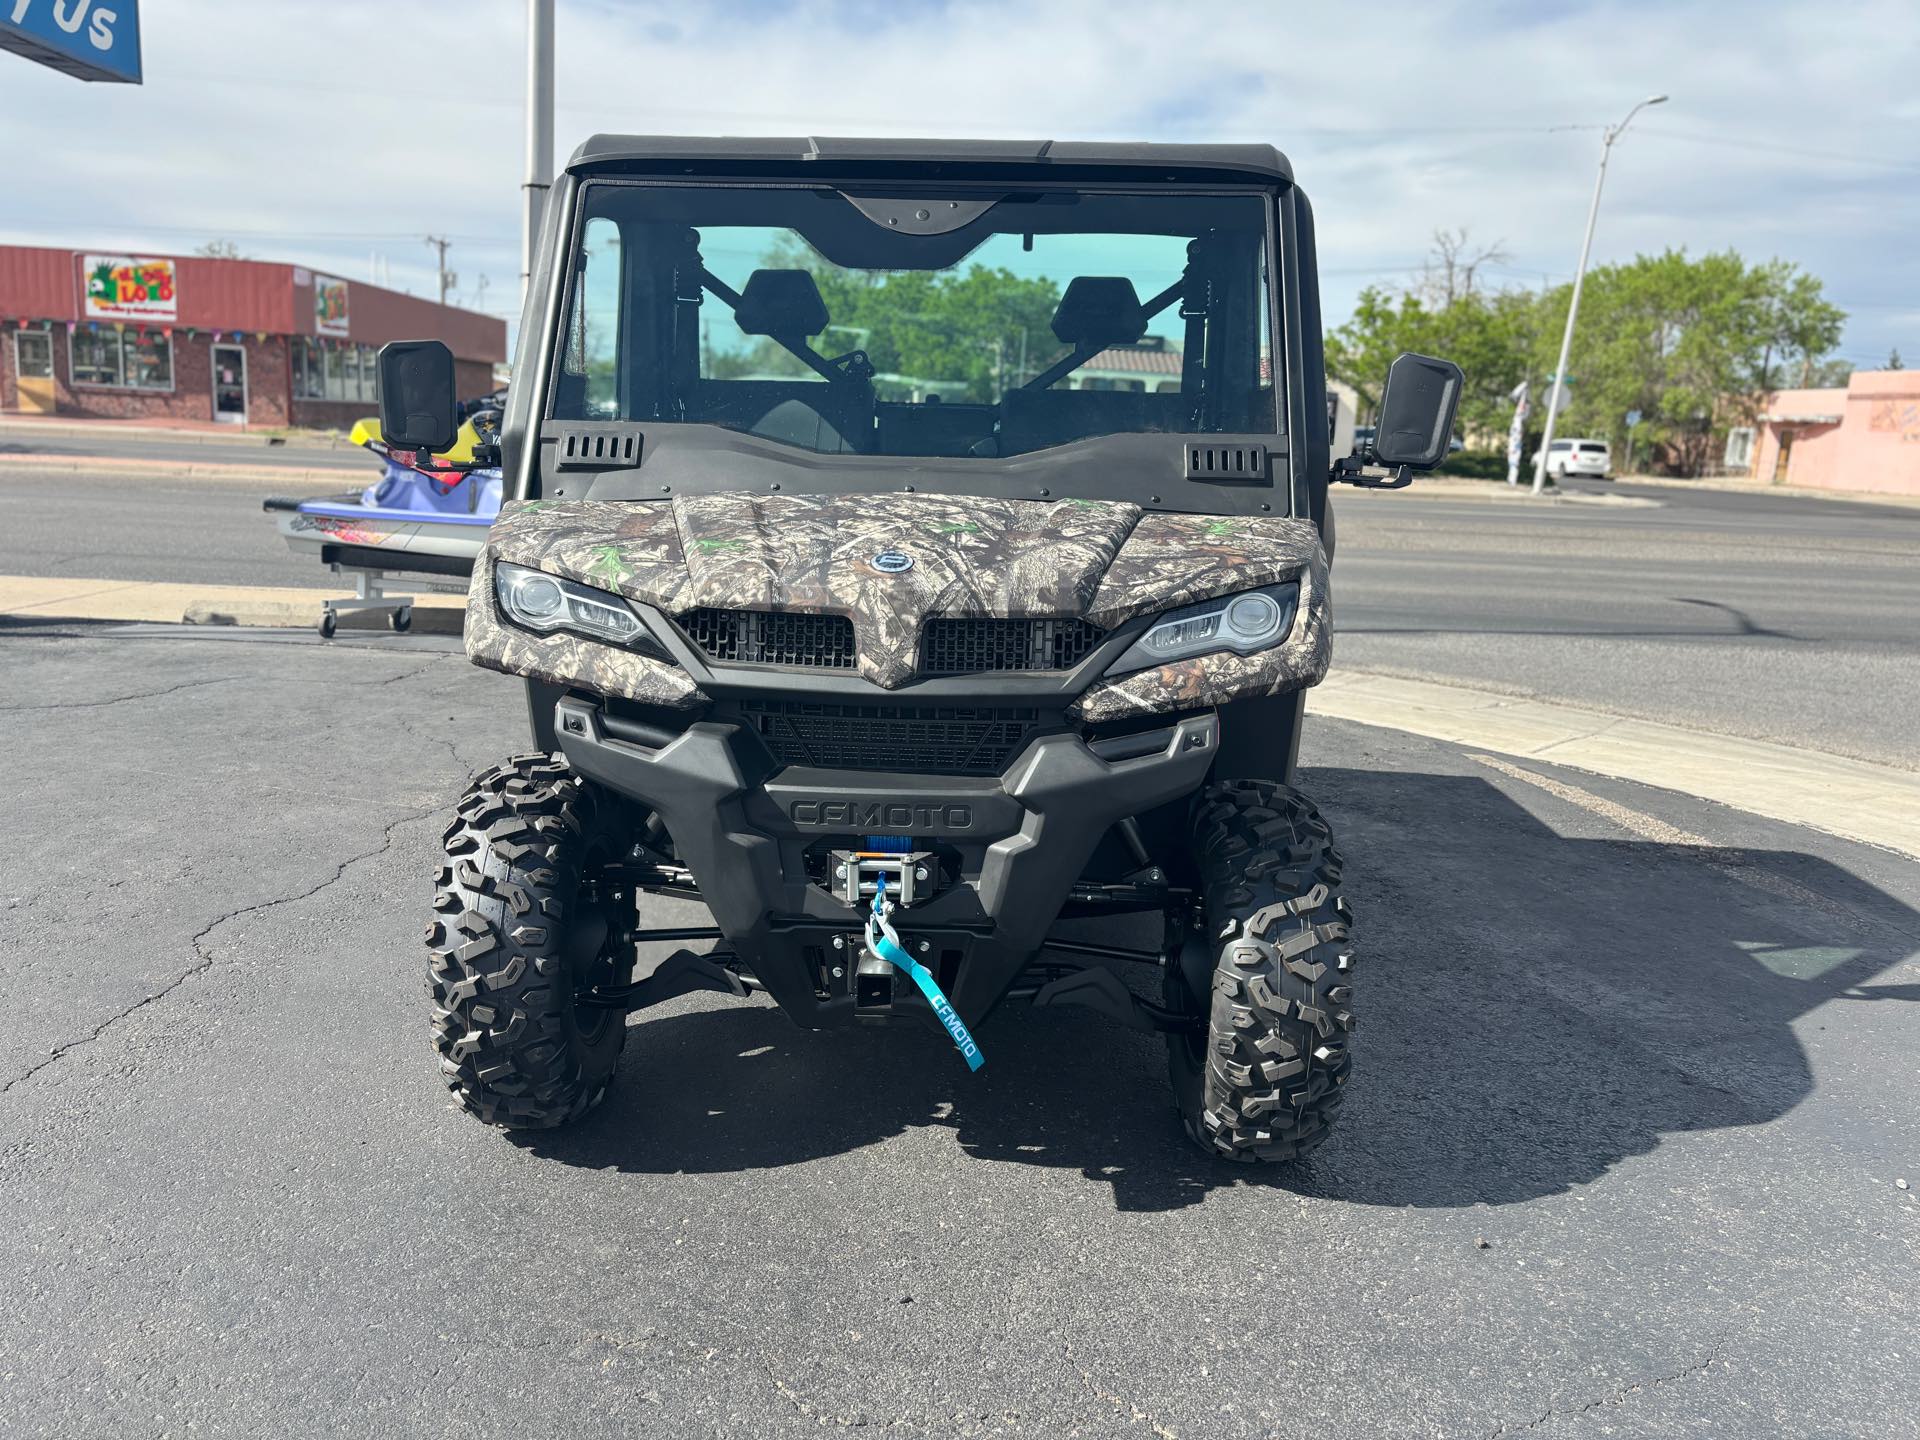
x: 1768, y: 147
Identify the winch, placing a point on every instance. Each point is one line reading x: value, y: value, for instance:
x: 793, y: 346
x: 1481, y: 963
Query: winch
x: 910, y: 874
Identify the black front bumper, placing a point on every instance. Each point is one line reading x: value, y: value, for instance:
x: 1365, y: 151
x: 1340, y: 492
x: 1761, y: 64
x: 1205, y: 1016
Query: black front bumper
x: 1020, y: 840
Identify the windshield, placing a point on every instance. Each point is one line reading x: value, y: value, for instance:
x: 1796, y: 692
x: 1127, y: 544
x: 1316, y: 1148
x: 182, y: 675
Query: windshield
x: 951, y: 325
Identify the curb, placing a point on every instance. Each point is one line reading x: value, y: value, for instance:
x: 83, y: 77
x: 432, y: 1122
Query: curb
x: 16, y: 428
x: 282, y: 607
x: 1854, y: 799
x: 176, y: 469
x: 1785, y: 492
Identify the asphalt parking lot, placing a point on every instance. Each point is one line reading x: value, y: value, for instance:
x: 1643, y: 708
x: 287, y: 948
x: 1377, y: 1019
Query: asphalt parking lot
x: 1636, y: 1078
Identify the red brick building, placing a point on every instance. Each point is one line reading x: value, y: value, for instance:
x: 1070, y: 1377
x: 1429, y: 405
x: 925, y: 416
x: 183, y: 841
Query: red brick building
x: 100, y: 333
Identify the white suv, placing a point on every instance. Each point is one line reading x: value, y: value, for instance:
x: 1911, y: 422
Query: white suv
x: 1587, y: 458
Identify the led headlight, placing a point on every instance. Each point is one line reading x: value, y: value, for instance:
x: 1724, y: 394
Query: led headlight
x: 1243, y: 623
x: 547, y: 603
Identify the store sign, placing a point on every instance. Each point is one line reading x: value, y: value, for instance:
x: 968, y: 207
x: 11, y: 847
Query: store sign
x: 122, y: 287
x: 329, y: 306
x: 88, y: 39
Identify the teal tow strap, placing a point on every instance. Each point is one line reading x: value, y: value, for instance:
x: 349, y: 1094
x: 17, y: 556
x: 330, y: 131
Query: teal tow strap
x: 884, y: 941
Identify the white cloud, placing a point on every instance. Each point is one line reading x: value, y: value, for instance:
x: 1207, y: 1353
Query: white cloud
x: 324, y: 132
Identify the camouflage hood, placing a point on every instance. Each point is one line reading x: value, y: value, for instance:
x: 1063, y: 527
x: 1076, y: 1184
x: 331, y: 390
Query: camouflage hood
x: 1103, y: 561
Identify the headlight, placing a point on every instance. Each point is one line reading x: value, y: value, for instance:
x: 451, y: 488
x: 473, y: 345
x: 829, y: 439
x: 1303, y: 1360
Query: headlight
x: 547, y: 603
x: 1243, y: 623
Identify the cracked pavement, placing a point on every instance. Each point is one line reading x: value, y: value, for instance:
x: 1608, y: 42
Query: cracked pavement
x: 1619, y: 1160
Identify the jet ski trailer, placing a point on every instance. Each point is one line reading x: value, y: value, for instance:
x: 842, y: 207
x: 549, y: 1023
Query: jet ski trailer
x: 424, y: 525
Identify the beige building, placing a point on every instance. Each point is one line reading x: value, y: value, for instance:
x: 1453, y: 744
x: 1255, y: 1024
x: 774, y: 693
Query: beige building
x: 1865, y: 437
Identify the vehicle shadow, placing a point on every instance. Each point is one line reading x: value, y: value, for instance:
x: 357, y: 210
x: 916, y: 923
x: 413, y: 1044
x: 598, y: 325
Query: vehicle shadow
x: 1534, y: 1009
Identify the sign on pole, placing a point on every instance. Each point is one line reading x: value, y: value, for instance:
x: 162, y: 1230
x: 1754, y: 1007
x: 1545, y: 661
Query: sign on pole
x: 88, y: 39
x: 1517, y: 432
x: 1558, y: 395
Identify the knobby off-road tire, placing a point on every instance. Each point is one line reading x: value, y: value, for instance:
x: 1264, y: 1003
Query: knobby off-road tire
x: 516, y: 933
x: 1268, y: 1075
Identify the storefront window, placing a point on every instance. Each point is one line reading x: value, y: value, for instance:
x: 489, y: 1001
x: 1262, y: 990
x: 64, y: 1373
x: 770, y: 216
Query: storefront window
x: 334, y: 372
x: 96, y: 357
x: 149, y: 362
x: 122, y: 360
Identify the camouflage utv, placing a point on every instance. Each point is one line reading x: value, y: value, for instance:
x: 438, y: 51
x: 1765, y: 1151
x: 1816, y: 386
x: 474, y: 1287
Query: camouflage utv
x: 912, y: 548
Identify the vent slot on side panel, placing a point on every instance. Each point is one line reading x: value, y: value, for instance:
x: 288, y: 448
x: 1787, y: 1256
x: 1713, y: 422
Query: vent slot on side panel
x: 1228, y: 463
x: 594, y: 447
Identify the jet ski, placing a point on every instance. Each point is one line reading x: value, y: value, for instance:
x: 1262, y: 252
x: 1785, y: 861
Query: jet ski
x: 407, y: 515
x: 423, y: 521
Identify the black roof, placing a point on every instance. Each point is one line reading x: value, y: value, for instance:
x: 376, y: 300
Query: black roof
x: 928, y: 159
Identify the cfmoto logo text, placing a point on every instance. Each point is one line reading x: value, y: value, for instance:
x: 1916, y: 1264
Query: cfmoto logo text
x: 881, y: 816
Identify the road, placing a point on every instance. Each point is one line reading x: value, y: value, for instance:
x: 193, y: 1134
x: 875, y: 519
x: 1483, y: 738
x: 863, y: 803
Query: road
x: 1765, y: 616
x: 1634, y: 1083
x: 1773, y: 618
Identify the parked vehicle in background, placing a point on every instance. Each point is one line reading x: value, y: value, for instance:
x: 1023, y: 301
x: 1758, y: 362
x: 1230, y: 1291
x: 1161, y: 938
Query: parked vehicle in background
x: 1586, y: 458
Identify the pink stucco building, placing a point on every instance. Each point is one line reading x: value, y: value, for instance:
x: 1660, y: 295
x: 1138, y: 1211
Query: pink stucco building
x: 1865, y: 437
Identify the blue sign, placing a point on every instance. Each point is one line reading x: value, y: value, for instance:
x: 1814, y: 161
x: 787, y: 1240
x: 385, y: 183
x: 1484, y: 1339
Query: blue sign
x: 88, y: 39
x: 1633, y: 418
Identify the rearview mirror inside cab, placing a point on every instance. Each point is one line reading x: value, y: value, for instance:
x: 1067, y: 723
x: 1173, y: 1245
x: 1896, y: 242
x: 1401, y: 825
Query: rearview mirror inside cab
x: 1416, y: 412
x: 417, y: 405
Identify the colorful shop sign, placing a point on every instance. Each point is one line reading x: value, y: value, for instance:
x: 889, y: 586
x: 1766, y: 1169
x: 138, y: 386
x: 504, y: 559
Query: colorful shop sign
x: 123, y: 287
x: 329, y: 305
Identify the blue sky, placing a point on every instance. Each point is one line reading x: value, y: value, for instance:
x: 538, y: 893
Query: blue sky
x: 300, y: 130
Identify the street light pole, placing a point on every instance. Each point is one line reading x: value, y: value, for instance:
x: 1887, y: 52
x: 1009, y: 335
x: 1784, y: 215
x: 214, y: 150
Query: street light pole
x: 539, y: 173
x: 1557, y: 391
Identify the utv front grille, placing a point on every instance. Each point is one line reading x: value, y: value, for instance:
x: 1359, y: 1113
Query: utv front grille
x: 951, y: 645
x: 928, y: 739
x: 763, y: 637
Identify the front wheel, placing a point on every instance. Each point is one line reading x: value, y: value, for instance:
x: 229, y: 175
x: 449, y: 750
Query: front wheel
x: 521, y: 932
x: 1266, y: 1078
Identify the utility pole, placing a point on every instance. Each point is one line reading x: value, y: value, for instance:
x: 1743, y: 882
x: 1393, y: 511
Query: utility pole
x: 1556, y: 390
x: 447, y: 278
x: 533, y: 191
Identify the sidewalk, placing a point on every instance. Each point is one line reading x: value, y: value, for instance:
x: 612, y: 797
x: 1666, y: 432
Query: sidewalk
x: 1759, y: 487
x: 1451, y: 487
x: 35, y: 597
x: 17, y: 426
x: 1853, y: 798
x: 237, y: 471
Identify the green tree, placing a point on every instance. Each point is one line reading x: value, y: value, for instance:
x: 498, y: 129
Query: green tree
x: 1893, y: 359
x: 1694, y: 345
x: 1490, y: 336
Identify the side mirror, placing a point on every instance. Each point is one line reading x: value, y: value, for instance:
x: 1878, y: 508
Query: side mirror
x: 417, y: 405
x: 1416, y: 412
